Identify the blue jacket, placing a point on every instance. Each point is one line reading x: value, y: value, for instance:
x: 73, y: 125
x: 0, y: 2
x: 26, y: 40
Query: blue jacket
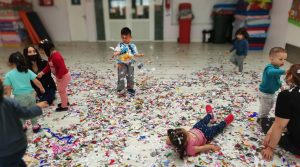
x: 241, y: 47
x: 271, y: 79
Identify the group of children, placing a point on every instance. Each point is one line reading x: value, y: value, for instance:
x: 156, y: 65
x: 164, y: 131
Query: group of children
x: 30, y: 80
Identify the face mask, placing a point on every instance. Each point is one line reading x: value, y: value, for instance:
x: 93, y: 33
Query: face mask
x: 33, y: 58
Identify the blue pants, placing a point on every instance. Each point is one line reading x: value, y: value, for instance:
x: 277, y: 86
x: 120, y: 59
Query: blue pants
x: 15, y: 160
x: 209, y: 132
x: 48, y: 96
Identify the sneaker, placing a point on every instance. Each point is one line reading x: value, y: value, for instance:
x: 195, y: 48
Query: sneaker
x: 60, y: 109
x: 229, y: 119
x: 36, y: 128
x: 59, y: 105
x: 120, y: 93
x: 131, y: 91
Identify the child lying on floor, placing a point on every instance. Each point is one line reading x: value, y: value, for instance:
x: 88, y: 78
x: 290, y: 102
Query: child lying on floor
x: 194, y: 141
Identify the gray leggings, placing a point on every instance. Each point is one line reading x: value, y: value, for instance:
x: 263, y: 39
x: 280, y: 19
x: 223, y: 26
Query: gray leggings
x: 238, y: 61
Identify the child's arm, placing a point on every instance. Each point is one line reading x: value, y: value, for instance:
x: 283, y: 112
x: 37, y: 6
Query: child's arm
x: 31, y: 112
x: 168, y: 141
x: 44, y: 71
x: 39, y: 85
x: 139, y: 55
x: 207, y: 147
x: 7, y: 91
x: 274, y: 72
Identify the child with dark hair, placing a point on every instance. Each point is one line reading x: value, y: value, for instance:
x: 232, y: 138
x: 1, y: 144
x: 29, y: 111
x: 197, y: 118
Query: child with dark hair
x: 240, y: 45
x: 36, y: 64
x: 13, y: 141
x: 193, y: 141
x: 18, y: 80
x: 126, y: 51
x: 56, y: 65
x: 271, y: 81
x: 285, y: 128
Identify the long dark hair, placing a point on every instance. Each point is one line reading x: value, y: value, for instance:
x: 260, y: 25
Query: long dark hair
x: 242, y: 31
x: 294, y: 73
x: 47, y: 46
x: 178, y: 138
x: 1, y: 91
x: 18, y: 59
x: 28, y: 62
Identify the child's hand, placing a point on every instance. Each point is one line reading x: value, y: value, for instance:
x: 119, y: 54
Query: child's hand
x: 42, y: 104
x: 282, y: 88
x: 40, y: 74
x: 42, y: 90
x: 116, y: 54
x: 215, y: 148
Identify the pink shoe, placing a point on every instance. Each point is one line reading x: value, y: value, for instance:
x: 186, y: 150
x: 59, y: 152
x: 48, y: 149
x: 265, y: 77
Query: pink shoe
x: 229, y: 119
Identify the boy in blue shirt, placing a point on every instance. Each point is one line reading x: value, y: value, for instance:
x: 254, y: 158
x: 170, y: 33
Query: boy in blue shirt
x: 126, y: 51
x: 240, y: 45
x: 271, y: 81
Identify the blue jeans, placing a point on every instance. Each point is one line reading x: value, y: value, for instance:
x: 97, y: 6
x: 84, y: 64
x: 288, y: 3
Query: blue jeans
x: 48, y: 96
x: 15, y: 160
x: 209, y: 131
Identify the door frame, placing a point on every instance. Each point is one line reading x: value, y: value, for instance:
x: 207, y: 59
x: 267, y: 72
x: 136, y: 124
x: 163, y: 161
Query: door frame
x: 129, y: 20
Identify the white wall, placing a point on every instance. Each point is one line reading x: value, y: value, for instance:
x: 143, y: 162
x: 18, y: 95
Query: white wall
x: 280, y: 31
x: 293, y: 35
x: 171, y: 30
x: 55, y: 19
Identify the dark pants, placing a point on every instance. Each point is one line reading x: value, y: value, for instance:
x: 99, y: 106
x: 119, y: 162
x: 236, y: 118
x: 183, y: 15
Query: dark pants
x: 15, y: 160
x: 48, y: 96
x: 285, y: 141
x: 209, y: 132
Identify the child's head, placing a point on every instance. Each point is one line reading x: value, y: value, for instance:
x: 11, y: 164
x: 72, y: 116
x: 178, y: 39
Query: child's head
x: 17, y: 60
x: 241, y: 34
x: 1, y: 91
x: 293, y: 75
x: 178, y: 138
x: 47, y: 47
x: 277, y: 56
x: 31, y: 54
x: 126, y: 35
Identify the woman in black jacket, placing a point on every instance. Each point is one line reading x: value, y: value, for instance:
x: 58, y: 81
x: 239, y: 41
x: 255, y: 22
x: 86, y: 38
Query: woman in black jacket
x: 37, y: 64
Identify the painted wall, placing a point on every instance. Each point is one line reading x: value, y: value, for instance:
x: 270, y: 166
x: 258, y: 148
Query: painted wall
x: 200, y: 9
x: 55, y: 19
x: 280, y: 31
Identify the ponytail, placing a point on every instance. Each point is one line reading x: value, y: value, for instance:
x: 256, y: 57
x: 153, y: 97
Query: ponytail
x: 47, y: 46
x: 18, y: 59
x: 178, y: 138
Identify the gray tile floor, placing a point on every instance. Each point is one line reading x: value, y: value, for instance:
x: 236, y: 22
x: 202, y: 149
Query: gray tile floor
x: 174, y: 85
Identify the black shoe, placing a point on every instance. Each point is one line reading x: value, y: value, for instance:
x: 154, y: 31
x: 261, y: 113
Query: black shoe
x: 59, y: 105
x: 131, y: 91
x: 59, y: 109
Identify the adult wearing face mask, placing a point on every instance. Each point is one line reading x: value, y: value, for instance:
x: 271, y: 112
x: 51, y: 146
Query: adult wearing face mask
x: 37, y: 64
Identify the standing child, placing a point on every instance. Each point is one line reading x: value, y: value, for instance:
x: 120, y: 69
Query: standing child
x: 37, y: 64
x: 56, y: 65
x: 240, y: 45
x: 271, y: 81
x: 13, y: 141
x: 126, y: 51
x: 192, y: 142
x: 19, y: 79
